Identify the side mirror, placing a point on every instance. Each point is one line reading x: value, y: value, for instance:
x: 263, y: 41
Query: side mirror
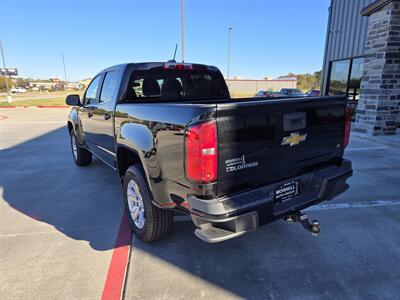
x: 73, y: 100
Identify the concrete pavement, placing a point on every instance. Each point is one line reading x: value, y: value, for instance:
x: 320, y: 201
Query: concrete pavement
x: 355, y: 256
x: 58, y: 222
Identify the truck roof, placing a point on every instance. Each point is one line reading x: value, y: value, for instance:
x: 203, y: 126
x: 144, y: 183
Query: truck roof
x: 149, y: 65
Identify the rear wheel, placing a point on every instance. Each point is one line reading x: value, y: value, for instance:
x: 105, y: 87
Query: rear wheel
x: 81, y: 156
x: 148, y: 222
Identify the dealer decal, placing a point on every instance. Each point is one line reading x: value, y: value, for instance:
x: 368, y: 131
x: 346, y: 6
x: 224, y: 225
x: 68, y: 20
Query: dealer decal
x: 239, y: 163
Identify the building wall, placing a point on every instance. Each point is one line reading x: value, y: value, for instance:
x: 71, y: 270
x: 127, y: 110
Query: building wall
x: 242, y: 87
x: 346, y: 33
x: 379, y: 105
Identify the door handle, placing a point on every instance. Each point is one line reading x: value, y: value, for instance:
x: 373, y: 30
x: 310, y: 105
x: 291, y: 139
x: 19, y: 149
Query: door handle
x: 107, y: 116
x: 294, y: 121
x: 90, y: 114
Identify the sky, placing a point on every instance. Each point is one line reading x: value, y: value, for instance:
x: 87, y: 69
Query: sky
x: 268, y: 37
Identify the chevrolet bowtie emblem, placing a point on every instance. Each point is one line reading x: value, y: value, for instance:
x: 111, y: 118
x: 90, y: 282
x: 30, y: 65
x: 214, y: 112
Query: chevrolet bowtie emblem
x: 294, y: 139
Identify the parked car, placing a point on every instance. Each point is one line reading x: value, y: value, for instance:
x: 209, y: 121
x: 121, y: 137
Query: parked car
x: 267, y: 94
x: 179, y: 142
x: 18, y: 90
x: 260, y: 94
x: 291, y: 92
x: 274, y: 94
x: 313, y: 93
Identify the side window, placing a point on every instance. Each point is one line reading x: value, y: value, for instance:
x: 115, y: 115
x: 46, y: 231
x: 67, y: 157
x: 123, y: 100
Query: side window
x: 110, y: 87
x: 355, y: 79
x: 91, y: 92
x: 339, y: 77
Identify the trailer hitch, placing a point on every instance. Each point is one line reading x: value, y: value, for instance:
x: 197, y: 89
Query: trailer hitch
x: 299, y: 217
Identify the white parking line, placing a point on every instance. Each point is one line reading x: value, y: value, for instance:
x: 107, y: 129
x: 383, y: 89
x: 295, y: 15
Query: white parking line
x: 327, y: 207
x: 367, y: 148
x: 354, y: 205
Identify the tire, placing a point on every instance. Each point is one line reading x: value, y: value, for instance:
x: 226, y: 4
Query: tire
x: 80, y: 155
x: 152, y: 223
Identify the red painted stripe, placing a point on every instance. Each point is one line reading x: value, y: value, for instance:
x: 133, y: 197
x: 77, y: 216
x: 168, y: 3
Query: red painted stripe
x: 52, y: 106
x: 8, y: 107
x: 169, y: 204
x: 185, y: 204
x: 114, y: 284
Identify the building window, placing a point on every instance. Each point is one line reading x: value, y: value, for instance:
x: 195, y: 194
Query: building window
x: 355, y: 79
x: 339, y: 75
x: 345, y: 78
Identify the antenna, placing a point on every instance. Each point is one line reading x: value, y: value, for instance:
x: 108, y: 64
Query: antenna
x: 173, y: 60
x: 176, y: 47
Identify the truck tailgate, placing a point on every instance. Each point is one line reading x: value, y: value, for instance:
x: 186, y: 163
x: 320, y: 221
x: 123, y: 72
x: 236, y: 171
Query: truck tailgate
x: 261, y: 142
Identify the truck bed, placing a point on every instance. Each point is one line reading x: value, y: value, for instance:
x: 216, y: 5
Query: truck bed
x: 250, y: 131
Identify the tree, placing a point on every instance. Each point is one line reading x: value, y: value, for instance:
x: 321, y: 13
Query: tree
x: 3, y: 86
x: 22, y: 82
x: 306, y: 81
x: 318, y: 75
x: 290, y: 74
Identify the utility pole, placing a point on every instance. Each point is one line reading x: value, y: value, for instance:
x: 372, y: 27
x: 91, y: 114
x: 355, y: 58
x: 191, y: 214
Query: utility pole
x: 183, y: 29
x: 229, y: 51
x: 65, y: 73
x: 9, y: 99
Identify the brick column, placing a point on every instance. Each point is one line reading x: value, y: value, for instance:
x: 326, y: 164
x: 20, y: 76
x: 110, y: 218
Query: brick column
x: 379, y: 104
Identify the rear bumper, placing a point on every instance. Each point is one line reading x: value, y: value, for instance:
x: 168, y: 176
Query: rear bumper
x: 242, y: 212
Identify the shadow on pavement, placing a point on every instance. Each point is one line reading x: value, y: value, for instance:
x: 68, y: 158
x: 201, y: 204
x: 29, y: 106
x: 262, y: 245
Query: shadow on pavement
x: 40, y: 180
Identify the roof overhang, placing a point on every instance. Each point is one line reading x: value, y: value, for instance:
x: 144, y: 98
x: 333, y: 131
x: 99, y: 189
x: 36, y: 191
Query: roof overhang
x: 375, y: 6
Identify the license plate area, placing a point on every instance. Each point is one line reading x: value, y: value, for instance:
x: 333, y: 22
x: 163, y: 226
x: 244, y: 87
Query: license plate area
x: 286, y: 191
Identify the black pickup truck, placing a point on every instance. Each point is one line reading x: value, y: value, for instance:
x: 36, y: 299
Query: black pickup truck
x: 180, y: 143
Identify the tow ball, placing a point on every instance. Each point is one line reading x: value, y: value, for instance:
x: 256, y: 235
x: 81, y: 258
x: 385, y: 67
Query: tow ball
x: 313, y: 227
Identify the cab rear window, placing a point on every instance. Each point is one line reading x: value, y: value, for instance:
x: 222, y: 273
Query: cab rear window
x: 164, y: 84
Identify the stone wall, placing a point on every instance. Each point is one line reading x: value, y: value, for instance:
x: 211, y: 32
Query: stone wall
x: 379, y: 104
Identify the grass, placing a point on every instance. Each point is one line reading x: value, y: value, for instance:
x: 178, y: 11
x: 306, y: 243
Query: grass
x: 242, y: 94
x: 50, y: 101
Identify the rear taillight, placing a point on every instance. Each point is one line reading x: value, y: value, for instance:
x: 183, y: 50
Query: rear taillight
x: 347, y: 128
x: 201, y: 152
